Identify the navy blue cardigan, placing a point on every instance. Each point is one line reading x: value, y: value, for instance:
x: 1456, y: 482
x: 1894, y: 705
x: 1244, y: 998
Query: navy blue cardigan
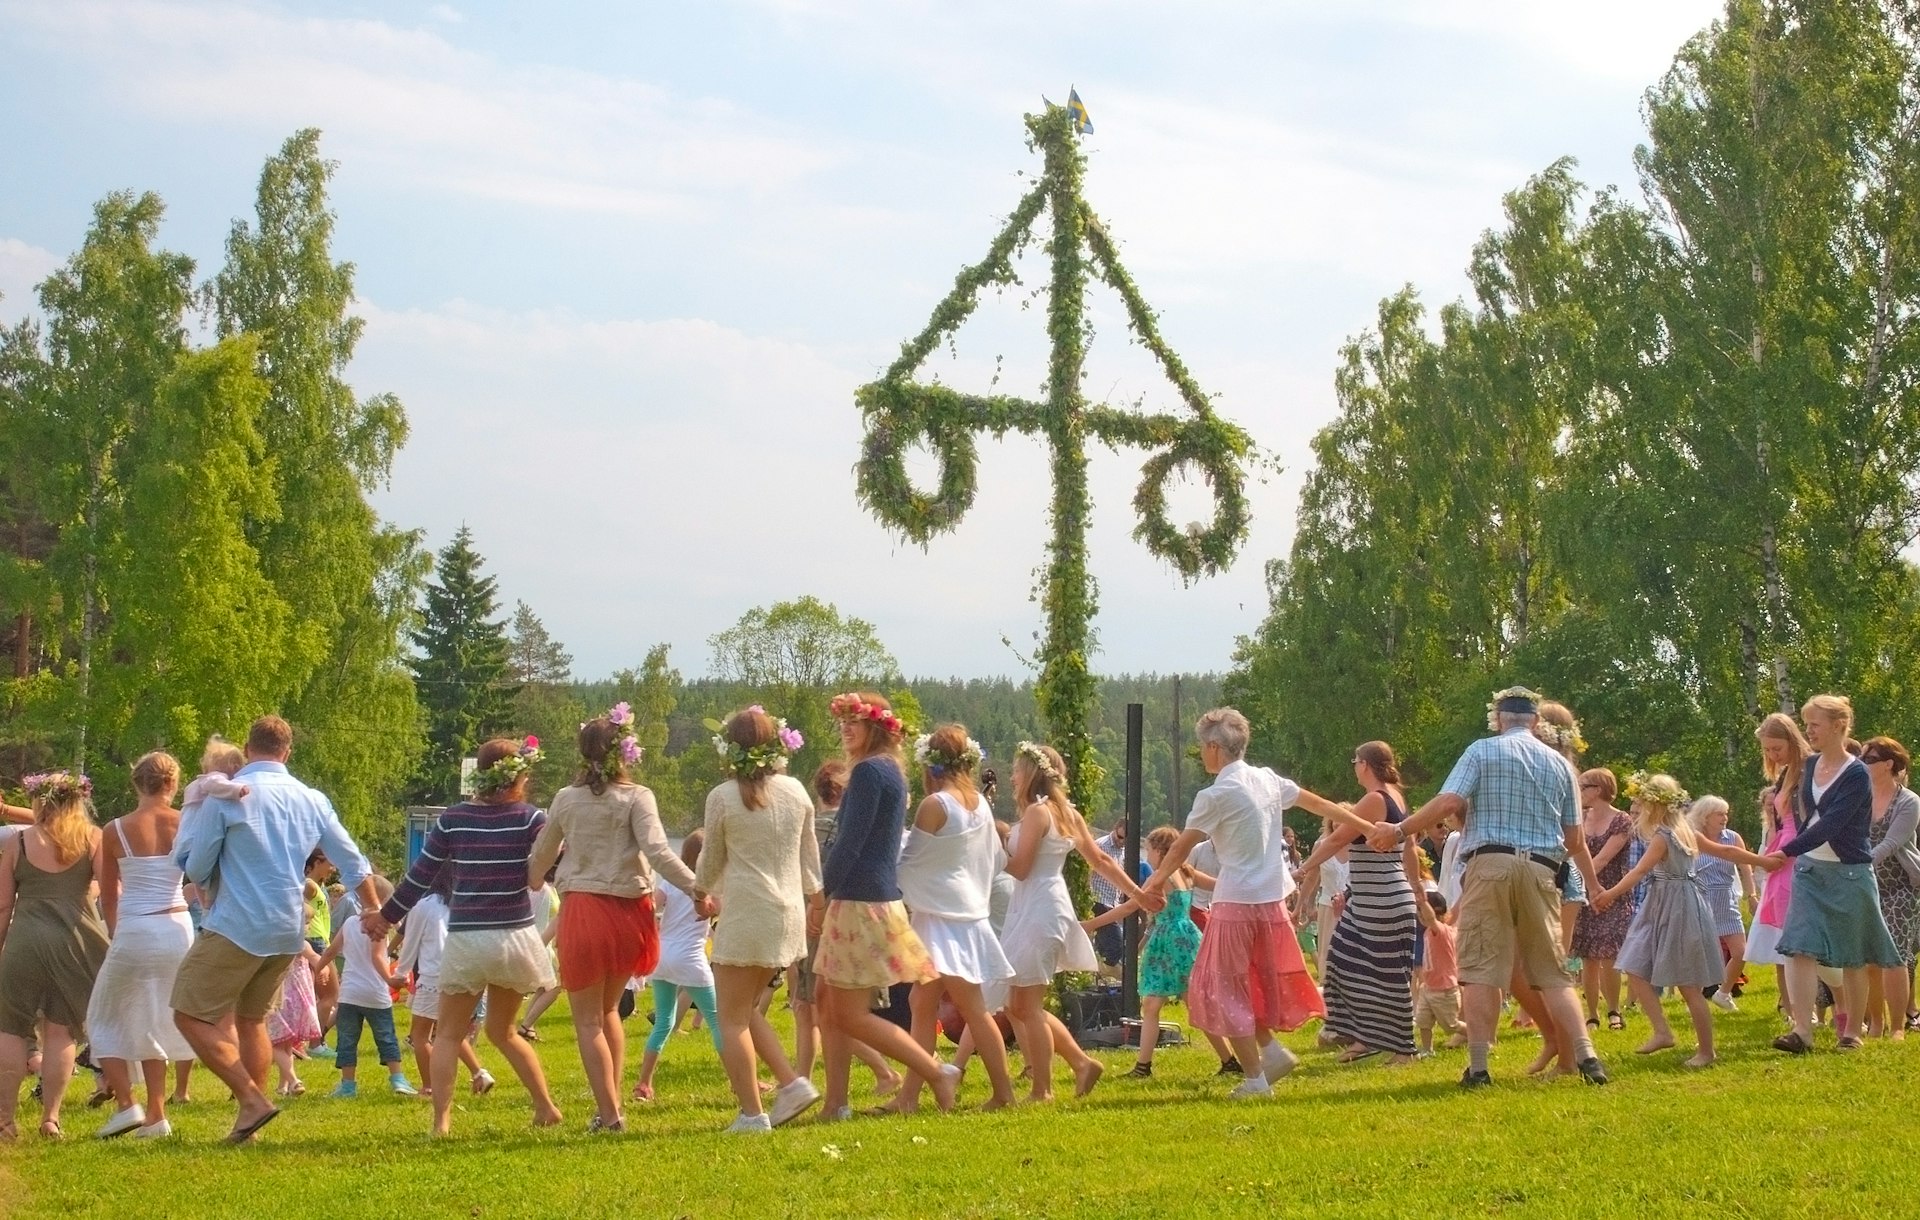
x: 862, y: 865
x: 1840, y: 818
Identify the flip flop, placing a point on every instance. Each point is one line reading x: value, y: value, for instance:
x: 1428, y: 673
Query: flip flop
x: 1616, y: 1021
x: 240, y: 1135
x: 1353, y: 1055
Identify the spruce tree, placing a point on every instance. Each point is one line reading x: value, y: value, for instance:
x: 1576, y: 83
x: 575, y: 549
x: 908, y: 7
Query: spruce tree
x: 462, y: 671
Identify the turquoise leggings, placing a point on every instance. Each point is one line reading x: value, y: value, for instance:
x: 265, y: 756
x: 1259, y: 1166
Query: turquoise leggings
x: 666, y: 1006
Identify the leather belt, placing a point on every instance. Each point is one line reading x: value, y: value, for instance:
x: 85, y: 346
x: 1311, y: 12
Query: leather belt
x: 1501, y: 849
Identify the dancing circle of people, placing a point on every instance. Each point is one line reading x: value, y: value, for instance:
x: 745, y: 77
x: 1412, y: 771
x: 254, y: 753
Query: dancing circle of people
x: 203, y: 935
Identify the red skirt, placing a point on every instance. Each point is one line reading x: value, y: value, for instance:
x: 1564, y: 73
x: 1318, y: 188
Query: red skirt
x: 602, y: 936
x: 1250, y: 974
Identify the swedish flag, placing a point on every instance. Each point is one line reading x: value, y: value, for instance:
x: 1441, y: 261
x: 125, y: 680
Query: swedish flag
x: 1082, y: 121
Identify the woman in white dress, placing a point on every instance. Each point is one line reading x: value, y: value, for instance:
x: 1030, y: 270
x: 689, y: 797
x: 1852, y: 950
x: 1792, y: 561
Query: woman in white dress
x: 1043, y: 935
x: 130, y: 1016
x: 947, y: 868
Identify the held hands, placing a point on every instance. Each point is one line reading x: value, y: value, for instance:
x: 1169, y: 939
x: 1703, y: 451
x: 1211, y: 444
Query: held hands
x: 1384, y: 837
x: 1774, y: 861
x: 374, y: 924
x: 1152, y: 902
x: 1604, y: 899
x: 706, y: 906
x: 816, y: 918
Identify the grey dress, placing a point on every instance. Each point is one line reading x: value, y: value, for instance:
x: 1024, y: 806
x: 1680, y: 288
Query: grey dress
x: 1672, y: 942
x: 1895, y: 862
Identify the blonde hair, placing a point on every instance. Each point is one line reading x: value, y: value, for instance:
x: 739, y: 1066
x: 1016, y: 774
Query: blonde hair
x: 1555, y: 725
x: 951, y: 740
x: 221, y: 755
x: 1031, y: 785
x: 155, y: 773
x: 1833, y: 707
x: 382, y: 889
x: 67, y: 823
x: 1704, y: 807
x: 1650, y: 817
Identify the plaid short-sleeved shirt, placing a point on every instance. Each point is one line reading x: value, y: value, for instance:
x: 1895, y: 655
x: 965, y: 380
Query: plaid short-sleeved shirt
x: 1519, y: 792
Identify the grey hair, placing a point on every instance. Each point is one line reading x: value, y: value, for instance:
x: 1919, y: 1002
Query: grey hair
x: 1224, y: 727
x: 1704, y: 807
x: 1516, y: 720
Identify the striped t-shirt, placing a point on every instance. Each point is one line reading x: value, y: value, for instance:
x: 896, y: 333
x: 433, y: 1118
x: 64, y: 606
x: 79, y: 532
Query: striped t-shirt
x: 488, y: 847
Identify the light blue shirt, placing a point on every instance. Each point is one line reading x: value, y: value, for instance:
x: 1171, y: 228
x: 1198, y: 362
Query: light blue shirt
x: 1519, y: 792
x: 253, y: 853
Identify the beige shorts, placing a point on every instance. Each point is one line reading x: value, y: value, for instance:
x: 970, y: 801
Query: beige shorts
x: 1510, y: 913
x: 218, y: 977
x: 1441, y: 1008
x: 478, y: 958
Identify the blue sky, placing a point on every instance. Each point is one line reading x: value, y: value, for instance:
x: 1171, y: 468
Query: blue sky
x: 625, y: 264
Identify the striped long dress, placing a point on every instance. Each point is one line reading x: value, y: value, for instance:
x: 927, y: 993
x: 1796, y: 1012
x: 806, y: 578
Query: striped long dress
x: 1369, y: 983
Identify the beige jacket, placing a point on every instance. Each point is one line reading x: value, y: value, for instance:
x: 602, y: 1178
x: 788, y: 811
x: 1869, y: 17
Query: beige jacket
x: 762, y: 863
x: 610, y: 840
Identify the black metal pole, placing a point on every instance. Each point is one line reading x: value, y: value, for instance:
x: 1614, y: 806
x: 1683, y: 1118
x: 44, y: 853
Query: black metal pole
x: 1176, y: 810
x: 1130, y: 963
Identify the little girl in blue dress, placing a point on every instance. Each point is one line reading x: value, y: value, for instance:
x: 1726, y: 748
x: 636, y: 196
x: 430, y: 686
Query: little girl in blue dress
x: 1166, y: 960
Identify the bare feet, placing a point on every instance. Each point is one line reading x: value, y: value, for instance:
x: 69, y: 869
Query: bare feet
x: 996, y: 1103
x: 1542, y: 1061
x: 642, y: 1092
x: 1700, y: 1061
x: 1086, y: 1076
x: 946, y: 1087
x: 1659, y: 1042
x: 887, y: 1086
x: 547, y: 1115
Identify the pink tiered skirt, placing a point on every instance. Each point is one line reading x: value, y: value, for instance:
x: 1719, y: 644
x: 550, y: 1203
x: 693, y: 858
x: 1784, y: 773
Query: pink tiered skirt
x: 1250, y: 974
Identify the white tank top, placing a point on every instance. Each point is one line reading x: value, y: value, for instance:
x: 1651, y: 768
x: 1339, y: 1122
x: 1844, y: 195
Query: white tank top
x: 949, y: 874
x: 149, y: 885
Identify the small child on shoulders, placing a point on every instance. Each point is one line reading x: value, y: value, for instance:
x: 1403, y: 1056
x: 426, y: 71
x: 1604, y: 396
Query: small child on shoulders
x: 366, y: 1000
x: 1436, y: 999
x: 215, y: 782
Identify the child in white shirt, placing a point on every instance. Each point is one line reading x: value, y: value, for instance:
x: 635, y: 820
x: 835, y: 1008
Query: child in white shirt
x: 366, y: 1000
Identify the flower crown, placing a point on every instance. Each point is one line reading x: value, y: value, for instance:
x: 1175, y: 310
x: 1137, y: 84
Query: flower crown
x: 505, y: 772
x: 1567, y: 738
x: 939, y: 761
x: 620, y: 716
x: 1662, y: 790
x: 1037, y: 755
x: 1499, y: 696
x: 57, y: 786
x: 747, y: 761
x: 853, y: 707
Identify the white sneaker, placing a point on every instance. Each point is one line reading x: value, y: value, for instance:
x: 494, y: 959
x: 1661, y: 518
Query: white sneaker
x: 1276, y: 1061
x: 126, y: 1120
x: 793, y: 1100
x: 750, y: 1124
x: 1252, y: 1086
x: 156, y: 1131
x: 1724, y: 1002
x: 482, y: 1083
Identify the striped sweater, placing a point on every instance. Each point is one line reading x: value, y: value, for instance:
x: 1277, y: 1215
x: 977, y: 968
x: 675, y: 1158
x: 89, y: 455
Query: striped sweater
x: 487, y: 847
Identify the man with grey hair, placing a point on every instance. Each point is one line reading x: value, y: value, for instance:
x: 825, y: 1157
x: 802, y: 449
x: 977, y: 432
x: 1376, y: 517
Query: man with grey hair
x: 1515, y: 795
x: 1250, y: 979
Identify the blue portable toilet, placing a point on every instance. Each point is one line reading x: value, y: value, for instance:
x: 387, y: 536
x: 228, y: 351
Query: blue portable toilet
x: 419, y: 819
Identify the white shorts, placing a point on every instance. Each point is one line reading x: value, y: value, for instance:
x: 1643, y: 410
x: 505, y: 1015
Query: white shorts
x: 478, y: 958
x: 426, y: 999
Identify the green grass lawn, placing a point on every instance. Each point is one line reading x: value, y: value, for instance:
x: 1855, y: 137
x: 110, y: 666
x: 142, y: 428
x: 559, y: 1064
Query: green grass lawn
x: 1759, y: 1134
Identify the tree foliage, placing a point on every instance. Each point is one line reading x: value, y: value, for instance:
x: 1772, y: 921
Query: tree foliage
x: 462, y: 668
x: 1654, y: 465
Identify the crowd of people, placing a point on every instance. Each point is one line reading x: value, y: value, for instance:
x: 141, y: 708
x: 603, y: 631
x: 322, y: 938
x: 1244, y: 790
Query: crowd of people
x: 203, y: 936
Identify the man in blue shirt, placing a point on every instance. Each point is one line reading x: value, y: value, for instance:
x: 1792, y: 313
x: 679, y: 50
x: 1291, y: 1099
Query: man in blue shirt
x: 1519, y: 802
x: 251, y: 854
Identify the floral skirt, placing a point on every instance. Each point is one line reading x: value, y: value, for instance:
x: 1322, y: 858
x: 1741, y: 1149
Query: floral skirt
x: 1250, y: 974
x: 870, y: 944
x: 604, y: 936
x: 295, y: 1020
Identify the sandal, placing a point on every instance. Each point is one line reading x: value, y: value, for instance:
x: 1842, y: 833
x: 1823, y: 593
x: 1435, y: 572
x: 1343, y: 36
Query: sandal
x: 1792, y: 1043
x: 1616, y: 1021
x: 529, y: 1033
x: 1849, y: 1043
x: 51, y: 1130
x: 1593, y: 1022
x: 1355, y: 1054
x: 1141, y: 1071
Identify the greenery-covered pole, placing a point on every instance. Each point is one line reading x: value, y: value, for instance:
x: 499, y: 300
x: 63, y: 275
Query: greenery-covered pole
x: 900, y: 411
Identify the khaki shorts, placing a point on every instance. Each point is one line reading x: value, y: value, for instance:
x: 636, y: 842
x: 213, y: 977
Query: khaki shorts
x: 1510, y: 912
x: 218, y: 977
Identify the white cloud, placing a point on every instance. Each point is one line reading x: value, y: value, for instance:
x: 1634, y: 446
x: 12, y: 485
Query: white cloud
x: 407, y: 104
x: 446, y: 13
x: 22, y: 267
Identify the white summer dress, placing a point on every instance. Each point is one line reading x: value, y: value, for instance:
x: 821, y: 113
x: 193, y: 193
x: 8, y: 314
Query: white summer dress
x: 946, y: 880
x: 130, y: 1014
x: 1043, y: 937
